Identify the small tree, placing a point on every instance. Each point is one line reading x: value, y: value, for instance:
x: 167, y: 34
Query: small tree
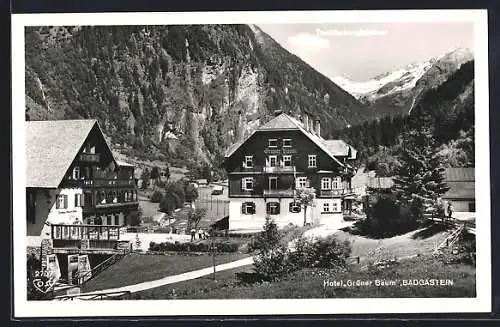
x: 176, y: 188
x: 145, y: 177
x: 167, y: 173
x: 191, y: 192
x: 305, y: 198
x: 155, y: 174
x: 269, y: 238
x: 134, y: 218
x: 195, y: 216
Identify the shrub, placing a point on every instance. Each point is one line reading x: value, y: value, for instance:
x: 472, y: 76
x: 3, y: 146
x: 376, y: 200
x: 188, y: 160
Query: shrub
x: 222, y: 247
x: 156, y: 197
x: 323, y: 253
x: 273, y: 264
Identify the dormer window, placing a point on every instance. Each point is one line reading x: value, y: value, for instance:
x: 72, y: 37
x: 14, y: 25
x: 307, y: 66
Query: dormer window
x: 89, y: 148
x: 272, y: 143
x: 287, y: 143
x: 248, y: 163
x: 311, y: 161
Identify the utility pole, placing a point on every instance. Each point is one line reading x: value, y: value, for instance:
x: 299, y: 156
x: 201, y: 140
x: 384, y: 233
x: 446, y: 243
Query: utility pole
x: 213, y: 249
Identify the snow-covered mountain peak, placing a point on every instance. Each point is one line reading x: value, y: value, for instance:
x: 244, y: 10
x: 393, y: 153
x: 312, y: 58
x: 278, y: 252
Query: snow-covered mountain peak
x: 384, y: 84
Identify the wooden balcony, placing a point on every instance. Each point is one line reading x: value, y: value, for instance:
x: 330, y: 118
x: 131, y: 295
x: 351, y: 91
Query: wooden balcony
x: 85, y: 238
x: 278, y: 169
x: 90, y: 157
x: 334, y: 193
x: 278, y: 193
x: 80, y: 232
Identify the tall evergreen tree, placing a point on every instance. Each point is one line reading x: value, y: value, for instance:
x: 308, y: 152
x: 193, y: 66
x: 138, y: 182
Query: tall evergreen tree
x: 419, y: 180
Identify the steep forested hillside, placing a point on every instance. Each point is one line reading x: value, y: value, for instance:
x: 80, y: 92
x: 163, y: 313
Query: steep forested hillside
x: 451, y: 106
x: 175, y: 92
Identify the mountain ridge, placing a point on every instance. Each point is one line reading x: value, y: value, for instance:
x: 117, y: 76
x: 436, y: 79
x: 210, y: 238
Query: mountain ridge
x: 176, y: 92
x: 396, y: 91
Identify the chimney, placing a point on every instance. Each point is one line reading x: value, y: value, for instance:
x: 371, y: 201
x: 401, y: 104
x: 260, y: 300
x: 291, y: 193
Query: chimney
x: 318, y: 127
x: 278, y: 112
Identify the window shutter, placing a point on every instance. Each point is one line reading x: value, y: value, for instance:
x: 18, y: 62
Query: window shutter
x: 243, y: 208
x: 268, y: 207
x: 65, y: 201
x: 253, y: 207
x: 278, y: 209
x: 57, y: 202
x: 83, y: 200
x: 76, y: 200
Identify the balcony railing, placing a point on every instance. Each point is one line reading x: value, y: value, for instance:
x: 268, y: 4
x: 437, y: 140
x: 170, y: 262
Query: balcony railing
x: 335, y: 192
x: 278, y: 169
x: 90, y: 157
x: 85, y: 232
x: 278, y: 193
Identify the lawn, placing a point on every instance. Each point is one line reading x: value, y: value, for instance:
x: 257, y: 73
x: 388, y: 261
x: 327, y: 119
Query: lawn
x: 460, y: 279
x: 420, y: 241
x: 138, y: 268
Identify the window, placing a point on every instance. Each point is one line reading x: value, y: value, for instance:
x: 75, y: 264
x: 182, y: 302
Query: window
x: 294, y: 207
x: 248, y: 208
x: 78, y: 200
x: 335, y: 207
x: 472, y: 206
x: 272, y: 161
x: 61, y: 201
x: 301, y: 182
x: 272, y: 143
x: 337, y: 183
x: 326, y: 183
x: 287, y: 143
x: 117, y: 219
x: 248, y: 161
x: 87, y: 198
x: 87, y: 173
x: 76, y: 172
x: 273, y: 208
x: 287, y: 161
x: 311, y: 161
x: 115, y: 197
x: 103, y: 197
x: 326, y: 207
x: 247, y: 183
x: 89, y: 148
x: 273, y: 183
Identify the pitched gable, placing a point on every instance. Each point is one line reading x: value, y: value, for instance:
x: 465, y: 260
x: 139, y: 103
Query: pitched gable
x: 285, y: 122
x: 51, y: 147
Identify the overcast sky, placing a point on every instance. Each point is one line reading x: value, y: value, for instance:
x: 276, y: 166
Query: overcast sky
x: 362, y: 51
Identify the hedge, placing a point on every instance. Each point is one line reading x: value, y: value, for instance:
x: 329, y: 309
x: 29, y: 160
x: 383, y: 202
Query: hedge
x: 193, y: 247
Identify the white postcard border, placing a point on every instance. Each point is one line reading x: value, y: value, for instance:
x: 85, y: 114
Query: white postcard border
x: 482, y: 303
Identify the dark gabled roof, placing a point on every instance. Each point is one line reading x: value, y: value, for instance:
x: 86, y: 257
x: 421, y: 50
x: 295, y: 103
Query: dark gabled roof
x: 459, y: 174
x: 460, y: 190
x: 340, y: 148
x: 284, y: 122
x: 51, y: 147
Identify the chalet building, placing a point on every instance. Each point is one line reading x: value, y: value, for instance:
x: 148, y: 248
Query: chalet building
x: 266, y: 168
x: 461, y: 194
x: 77, y: 194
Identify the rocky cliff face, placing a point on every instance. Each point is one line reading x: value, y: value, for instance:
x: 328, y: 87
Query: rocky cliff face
x: 184, y: 91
